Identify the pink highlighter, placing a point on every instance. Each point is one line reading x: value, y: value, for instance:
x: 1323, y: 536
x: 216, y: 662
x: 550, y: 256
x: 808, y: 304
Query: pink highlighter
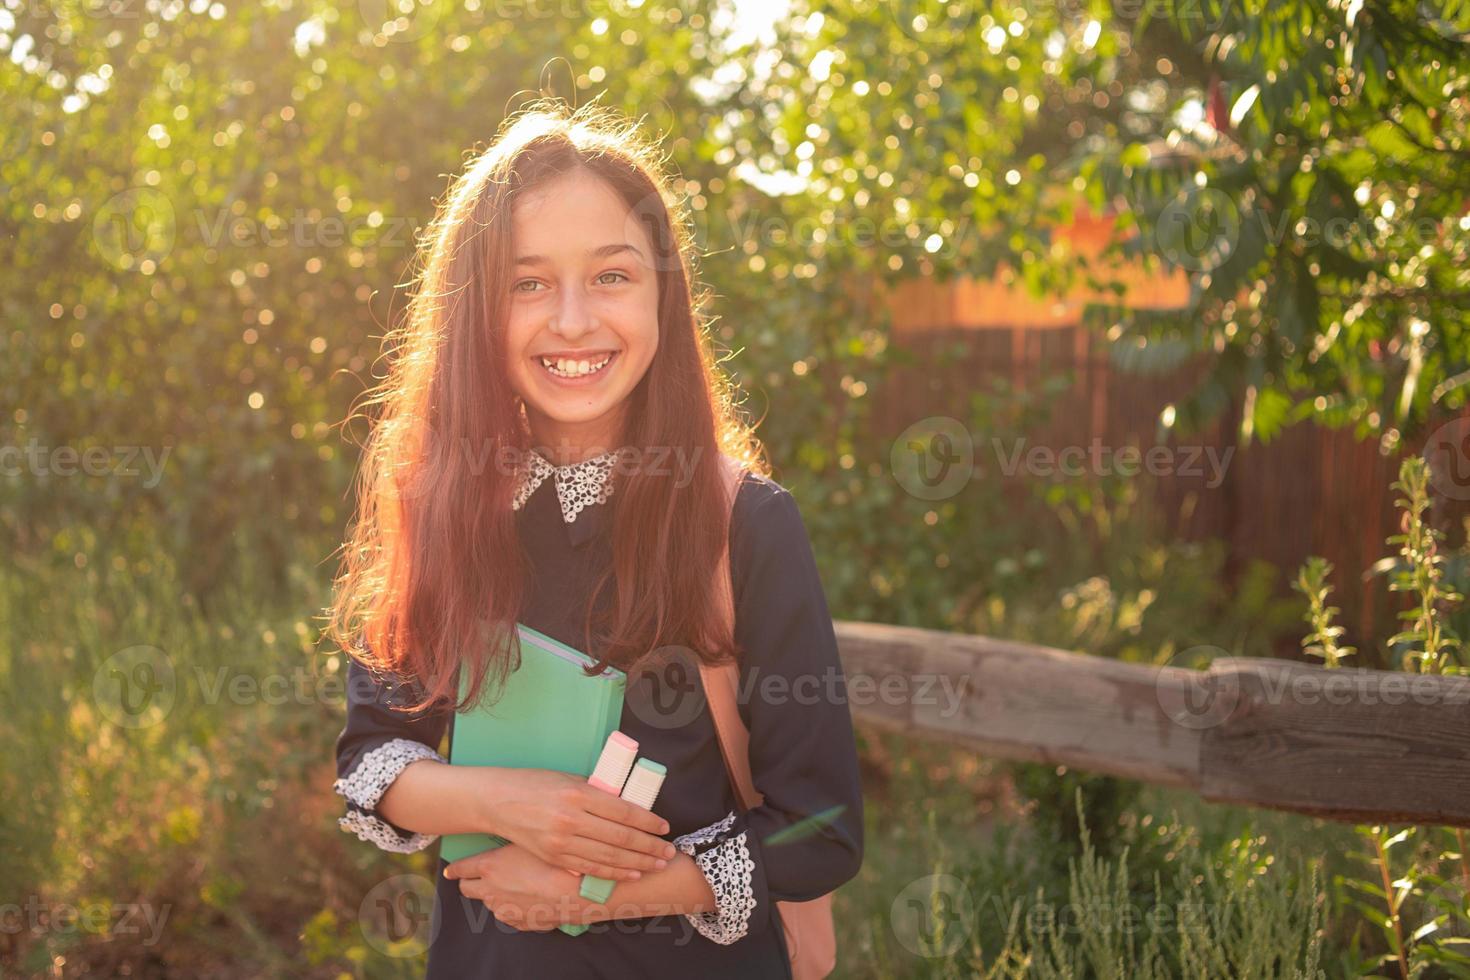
x: 613, y: 766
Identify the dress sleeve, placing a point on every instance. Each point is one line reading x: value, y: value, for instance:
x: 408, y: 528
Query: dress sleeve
x: 806, y: 838
x: 377, y: 744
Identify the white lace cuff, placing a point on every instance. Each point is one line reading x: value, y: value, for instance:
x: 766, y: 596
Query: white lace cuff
x: 366, y: 784
x: 727, y: 866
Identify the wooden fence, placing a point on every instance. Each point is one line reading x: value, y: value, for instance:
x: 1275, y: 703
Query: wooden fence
x: 1344, y: 744
x: 1310, y: 491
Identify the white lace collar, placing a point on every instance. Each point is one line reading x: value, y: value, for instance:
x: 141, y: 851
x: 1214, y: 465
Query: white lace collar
x: 578, y: 485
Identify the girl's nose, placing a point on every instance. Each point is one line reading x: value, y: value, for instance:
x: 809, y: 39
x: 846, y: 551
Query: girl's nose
x: 573, y: 316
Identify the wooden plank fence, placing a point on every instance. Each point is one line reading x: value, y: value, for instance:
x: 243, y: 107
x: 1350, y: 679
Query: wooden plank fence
x: 1310, y: 491
x: 1345, y: 744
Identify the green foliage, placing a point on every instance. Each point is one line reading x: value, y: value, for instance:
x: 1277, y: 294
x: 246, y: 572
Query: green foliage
x: 1411, y: 884
x: 1320, y: 217
x: 1322, y: 640
x: 199, y: 255
x: 1422, y: 576
x: 1302, y: 163
x: 1080, y: 563
x: 1414, y: 890
x: 1062, y: 804
x: 195, y: 794
x: 1171, y: 904
x: 204, y: 238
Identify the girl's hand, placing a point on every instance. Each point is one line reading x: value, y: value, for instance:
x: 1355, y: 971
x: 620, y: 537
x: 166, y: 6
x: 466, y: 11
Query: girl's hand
x: 566, y: 823
x: 521, y: 890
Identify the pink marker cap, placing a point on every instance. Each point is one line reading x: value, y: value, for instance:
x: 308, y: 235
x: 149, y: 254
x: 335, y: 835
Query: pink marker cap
x: 616, y: 761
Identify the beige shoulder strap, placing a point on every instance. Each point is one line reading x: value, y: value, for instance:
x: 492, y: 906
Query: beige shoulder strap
x: 811, y: 940
x: 721, y: 683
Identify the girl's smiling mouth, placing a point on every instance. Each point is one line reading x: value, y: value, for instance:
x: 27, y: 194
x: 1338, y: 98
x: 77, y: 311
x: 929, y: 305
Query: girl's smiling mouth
x: 580, y: 370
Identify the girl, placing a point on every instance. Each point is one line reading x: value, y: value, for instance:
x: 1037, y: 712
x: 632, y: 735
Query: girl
x: 547, y: 454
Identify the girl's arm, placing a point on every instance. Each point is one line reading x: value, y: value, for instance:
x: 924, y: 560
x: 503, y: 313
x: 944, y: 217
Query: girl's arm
x: 528, y: 894
x: 555, y: 815
x: 401, y: 794
x: 436, y: 798
x: 806, y: 838
x: 377, y: 745
x: 680, y: 888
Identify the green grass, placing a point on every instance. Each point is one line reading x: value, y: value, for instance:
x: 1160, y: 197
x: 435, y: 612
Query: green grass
x: 960, y: 838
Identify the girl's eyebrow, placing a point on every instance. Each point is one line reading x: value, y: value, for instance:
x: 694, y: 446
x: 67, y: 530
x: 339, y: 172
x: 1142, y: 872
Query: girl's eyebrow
x: 602, y: 251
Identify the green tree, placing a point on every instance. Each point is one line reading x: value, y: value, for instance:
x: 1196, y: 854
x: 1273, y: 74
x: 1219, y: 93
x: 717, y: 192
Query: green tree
x: 1305, y: 163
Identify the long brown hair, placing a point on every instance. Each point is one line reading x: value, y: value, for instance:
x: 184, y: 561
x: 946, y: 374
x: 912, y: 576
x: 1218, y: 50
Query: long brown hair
x: 432, y: 572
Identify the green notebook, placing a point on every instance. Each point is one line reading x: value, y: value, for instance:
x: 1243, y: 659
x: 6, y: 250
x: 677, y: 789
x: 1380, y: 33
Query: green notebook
x: 551, y: 716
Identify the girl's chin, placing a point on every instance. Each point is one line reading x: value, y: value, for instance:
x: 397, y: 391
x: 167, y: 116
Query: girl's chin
x: 571, y: 407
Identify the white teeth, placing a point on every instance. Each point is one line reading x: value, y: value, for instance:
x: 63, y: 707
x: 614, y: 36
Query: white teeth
x: 573, y: 369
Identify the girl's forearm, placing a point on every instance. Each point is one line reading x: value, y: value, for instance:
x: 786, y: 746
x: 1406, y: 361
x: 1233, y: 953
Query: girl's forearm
x: 680, y: 889
x: 430, y: 797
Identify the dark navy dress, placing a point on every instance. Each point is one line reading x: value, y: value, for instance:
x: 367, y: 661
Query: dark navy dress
x: 792, y: 697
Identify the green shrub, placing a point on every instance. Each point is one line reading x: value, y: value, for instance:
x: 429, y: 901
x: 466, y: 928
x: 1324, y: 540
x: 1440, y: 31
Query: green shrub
x: 1224, y: 909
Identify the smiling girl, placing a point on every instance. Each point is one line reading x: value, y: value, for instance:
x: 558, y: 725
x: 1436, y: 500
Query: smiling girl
x: 547, y: 453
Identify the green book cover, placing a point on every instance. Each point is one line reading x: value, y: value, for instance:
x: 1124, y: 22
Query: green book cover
x: 550, y: 716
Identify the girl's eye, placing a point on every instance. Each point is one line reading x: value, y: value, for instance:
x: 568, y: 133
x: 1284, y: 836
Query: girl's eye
x: 601, y: 278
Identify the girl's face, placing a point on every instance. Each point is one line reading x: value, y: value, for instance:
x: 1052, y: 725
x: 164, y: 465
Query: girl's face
x: 583, y: 313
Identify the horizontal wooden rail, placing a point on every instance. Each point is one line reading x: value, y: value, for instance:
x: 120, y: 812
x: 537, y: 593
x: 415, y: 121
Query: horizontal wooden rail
x: 1344, y: 744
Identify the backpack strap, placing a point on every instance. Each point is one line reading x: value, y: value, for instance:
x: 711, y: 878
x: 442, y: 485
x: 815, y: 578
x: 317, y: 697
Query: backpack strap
x: 722, y: 682
x: 811, y: 940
